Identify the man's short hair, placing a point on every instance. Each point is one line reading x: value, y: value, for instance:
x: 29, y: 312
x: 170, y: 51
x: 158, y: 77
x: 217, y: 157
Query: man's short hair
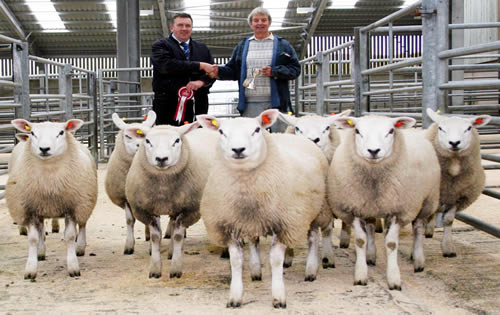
x: 259, y: 10
x: 182, y: 15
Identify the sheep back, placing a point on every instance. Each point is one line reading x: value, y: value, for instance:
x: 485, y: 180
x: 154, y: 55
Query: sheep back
x: 281, y: 196
x: 56, y: 187
x: 404, y: 184
x: 462, y: 174
x: 117, y: 170
x: 177, y: 193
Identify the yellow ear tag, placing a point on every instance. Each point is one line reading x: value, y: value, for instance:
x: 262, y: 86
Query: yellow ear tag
x: 139, y: 132
x: 350, y: 122
x: 124, y: 118
x: 438, y: 111
x: 27, y: 127
x: 214, y: 122
x: 290, y: 113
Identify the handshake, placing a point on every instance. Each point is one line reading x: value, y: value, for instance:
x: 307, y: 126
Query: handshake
x: 211, y: 70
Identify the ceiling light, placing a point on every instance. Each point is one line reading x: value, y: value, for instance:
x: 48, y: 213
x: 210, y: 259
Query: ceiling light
x: 46, y: 15
x: 305, y: 10
x: 343, y: 4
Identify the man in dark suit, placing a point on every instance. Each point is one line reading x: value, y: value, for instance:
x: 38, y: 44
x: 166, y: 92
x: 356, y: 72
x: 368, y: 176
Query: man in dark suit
x: 178, y: 61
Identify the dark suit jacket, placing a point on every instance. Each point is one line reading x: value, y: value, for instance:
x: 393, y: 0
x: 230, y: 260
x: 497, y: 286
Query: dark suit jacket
x: 171, y: 71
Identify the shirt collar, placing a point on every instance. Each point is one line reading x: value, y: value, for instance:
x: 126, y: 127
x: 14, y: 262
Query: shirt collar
x: 178, y: 41
x: 270, y: 37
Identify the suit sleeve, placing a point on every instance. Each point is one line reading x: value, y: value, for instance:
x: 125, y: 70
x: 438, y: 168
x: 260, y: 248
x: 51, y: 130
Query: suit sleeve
x: 164, y: 61
x: 231, y: 71
x: 205, y: 78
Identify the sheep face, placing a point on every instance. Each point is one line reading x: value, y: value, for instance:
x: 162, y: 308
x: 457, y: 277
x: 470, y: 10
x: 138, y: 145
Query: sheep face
x: 455, y: 133
x: 374, y: 135
x: 242, y: 142
x: 162, y: 144
x: 132, y: 143
x: 48, y: 139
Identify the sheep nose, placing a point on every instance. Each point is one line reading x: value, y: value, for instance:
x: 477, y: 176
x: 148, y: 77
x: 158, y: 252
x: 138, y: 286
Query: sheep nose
x: 238, y: 151
x: 315, y: 140
x: 374, y: 152
x: 44, y: 150
x: 161, y: 161
x: 454, y: 145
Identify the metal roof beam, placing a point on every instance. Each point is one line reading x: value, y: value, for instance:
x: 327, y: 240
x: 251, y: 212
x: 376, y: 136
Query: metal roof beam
x: 163, y: 17
x: 14, y: 23
x: 311, y: 27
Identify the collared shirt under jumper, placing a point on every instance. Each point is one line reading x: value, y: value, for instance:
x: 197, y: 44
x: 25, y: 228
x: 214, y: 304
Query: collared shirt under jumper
x: 260, y: 54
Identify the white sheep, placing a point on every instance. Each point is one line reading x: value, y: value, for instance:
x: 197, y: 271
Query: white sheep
x: 261, y: 184
x: 118, y: 166
x: 54, y: 176
x: 321, y: 131
x: 167, y: 177
x: 383, y: 171
x: 456, y: 142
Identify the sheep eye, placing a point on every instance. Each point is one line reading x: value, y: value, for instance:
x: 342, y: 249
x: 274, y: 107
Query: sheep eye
x: 33, y: 134
x: 297, y: 129
x: 177, y: 140
x: 128, y: 137
x: 468, y: 129
x: 257, y: 130
x: 61, y: 133
x: 148, y: 142
x: 220, y: 131
x: 391, y: 131
x: 327, y: 128
x: 440, y: 129
x: 357, y: 131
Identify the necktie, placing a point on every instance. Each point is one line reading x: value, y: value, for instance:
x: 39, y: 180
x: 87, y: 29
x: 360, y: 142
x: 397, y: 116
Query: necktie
x: 186, y: 49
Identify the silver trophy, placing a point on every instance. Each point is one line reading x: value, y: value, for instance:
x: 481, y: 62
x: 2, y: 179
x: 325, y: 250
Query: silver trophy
x: 249, y: 83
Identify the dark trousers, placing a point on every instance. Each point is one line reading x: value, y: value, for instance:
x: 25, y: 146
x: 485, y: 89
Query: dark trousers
x: 165, y: 107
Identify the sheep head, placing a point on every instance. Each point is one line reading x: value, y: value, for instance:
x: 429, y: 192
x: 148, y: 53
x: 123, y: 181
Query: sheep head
x: 132, y: 143
x: 374, y: 135
x: 455, y: 133
x: 48, y: 139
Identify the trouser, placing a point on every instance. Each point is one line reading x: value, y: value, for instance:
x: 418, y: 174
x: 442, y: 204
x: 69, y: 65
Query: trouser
x: 255, y: 108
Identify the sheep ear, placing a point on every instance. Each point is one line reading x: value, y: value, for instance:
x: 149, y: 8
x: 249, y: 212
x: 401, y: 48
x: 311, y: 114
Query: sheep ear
x: 150, y: 119
x: 479, y: 121
x: 22, y: 137
x: 73, y: 125
x: 288, y: 119
x: 433, y: 115
x: 268, y: 117
x: 22, y: 125
x: 135, y: 132
x: 345, y: 113
x: 208, y: 121
x: 345, y: 122
x: 404, y: 122
x: 331, y: 119
x: 118, y: 121
x: 188, y: 127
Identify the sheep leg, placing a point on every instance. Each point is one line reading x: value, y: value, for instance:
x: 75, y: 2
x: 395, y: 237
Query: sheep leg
x: 287, y: 262
x: 23, y: 230
x: 429, y: 227
x: 312, y: 263
x: 236, y: 260
x: 224, y: 253
x: 81, y: 242
x: 170, y: 227
x: 55, y: 225
x: 418, y: 245
x: 130, y: 242
x: 33, y: 240
x: 277, y: 257
x: 391, y: 247
x: 177, y: 242
x: 327, y: 248
x: 155, y: 230
x: 447, y: 246
x: 41, y: 243
x: 147, y: 233
x: 371, y: 250
x: 361, y: 268
x: 379, y: 226
x: 70, y: 238
x: 254, y: 262
x: 345, y: 235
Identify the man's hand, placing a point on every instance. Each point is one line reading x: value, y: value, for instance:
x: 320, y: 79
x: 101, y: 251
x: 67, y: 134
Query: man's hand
x: 266, y: 71
x: 213, y: 72
x: 195, y: 85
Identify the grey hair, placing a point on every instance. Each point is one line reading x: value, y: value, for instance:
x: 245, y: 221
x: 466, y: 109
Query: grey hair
x: 259, y: 10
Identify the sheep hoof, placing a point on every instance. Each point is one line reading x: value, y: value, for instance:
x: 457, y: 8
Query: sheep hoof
x: 156, y: 275
x: 169, y: 257
x: 146, y: 239
x: 429, y: 235
x: 257, y: 278
x: 395, y: 287
x: 278, y: 304
x: 176, y: 274
x: 379, y: 230
x: 287, y: 265
x: 74, y: 273
x: 360, y: 282
x: 419, y: 269
x: 41, y: 257
x: 23, y: 232
x: 327, y: 265
x: 225, y: 253
x: 371, y: 262
x: 167, y: 236
x: 80, y: 253
x: 30, y: 276
x: 310, y: 278
x: 128, y: 251
x: 233, y: 304
x: 343, y: 245
x: 449, y: 255
x: 55, y: 230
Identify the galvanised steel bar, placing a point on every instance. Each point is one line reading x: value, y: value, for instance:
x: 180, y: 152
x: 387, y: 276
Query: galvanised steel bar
x: 457, y: 26
x: 490, y: 157
x: 483, y: 226
x: 396, y: 65
x: 9, y: 83
x: 473, y: 84
x: 475, y: 49
x: 7, y: 39
x: 394, y: 16
x: 391, y: 91
x: 489, y: 66
x: 397, y: 29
